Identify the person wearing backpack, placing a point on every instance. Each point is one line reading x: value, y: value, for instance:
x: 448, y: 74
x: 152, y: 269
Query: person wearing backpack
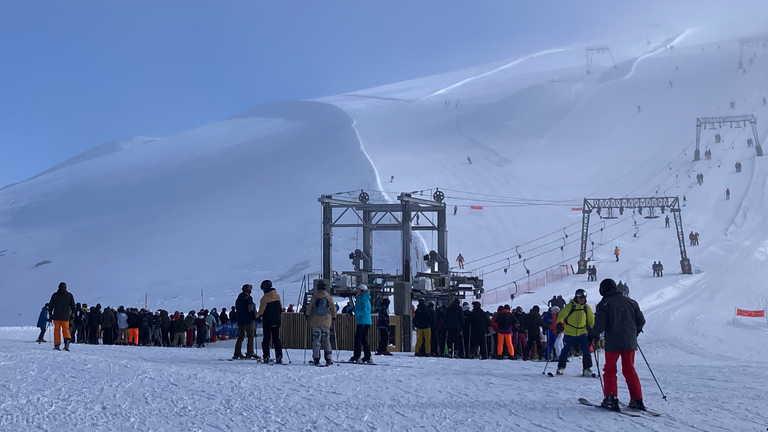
x: 321, y: 313
x: 575, y: 320
x: 382, y: 323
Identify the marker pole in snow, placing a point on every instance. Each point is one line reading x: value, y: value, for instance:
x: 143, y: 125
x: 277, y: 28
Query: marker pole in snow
x: 654, y: 376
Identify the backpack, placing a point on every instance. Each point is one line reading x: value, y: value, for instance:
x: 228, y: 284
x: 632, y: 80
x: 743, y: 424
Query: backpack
x: 321, y: 306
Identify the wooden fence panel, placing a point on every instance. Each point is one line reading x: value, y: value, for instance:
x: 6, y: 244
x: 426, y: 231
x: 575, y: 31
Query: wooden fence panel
x: 296, y: 333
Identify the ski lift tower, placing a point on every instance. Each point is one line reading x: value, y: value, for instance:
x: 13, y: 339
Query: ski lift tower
x: 598, y: 49
x: 716, y: 123
x: 611, y: 204
x: 750, y: 43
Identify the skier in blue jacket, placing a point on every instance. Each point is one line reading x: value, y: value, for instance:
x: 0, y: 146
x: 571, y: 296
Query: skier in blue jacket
x: 363, y: 321
x: 42, y: 323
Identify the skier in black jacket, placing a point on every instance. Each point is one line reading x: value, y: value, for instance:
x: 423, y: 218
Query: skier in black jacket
x: 454, y: 322
x: 165, y: 327
x: 269, y: 314
x: 622, y: 321
x: 422, y: 320
x: 480, y: 323
x: 94, y: 320
x: 245, y: 314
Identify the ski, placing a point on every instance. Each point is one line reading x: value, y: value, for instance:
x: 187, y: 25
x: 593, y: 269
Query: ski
x: 588, y: 403
x: 550, y: 374
x: 650, y: 412
x: 242, y: 359
x: 360, y: 363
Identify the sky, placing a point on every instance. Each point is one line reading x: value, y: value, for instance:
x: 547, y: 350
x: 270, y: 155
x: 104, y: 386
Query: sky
x: 79, y: 73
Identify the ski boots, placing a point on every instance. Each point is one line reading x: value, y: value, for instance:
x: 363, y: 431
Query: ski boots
x: 587, y: 373
x: 354, y: 359
x: 367, y: 360
x: 316, y: 362
x: 57, y: 347
x: 610, y: 403
x: 278, y: 360
x: 637, y: 404
x: 560, y: 371
x: 66, y: 344
x: 238, y: 356
x: 328, y: 361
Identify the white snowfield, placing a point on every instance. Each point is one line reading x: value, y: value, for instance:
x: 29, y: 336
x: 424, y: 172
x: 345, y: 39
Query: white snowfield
x: 236, y: 202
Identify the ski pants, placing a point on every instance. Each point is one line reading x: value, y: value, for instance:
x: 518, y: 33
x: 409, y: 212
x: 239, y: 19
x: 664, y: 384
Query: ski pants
x: 627, y: 369
x: 550, y: 343
x: 166, y: 338
x: 190, y: 337
x: 519, y: 342
x: 107, y: 336
x: 133, y: 336
x: 383, y: 340
x: 272, y: 334
x: 321, y: 338
x: 200, y: 338
x: 441, y: 335
x: 60, y: 328
x: 361, y: 341
x: 122, y: 336
x: 534, y: 345
x: 423, y: 338
x: 178, y: 339
x: 478, y: 340
x: 586, y: 357
x: 505, y: 339
x: 79, y: 333
x: 93, y: 335
x: 157, y: 340
x: 455, y: 343
x: 42, y: 333
x: 242, y: 332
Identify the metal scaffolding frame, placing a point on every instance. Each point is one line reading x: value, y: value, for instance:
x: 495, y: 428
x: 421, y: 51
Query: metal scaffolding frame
x: 599, y: 49
x: 750, y: 42
x: 664, y: 203
x: 730, y: 120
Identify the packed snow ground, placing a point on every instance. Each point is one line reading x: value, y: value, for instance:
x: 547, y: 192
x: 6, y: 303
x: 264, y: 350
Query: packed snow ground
x: 169, y: 217
x: 109, y: 388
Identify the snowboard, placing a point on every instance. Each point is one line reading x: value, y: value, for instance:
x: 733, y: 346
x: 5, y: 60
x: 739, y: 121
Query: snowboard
x: 588, y: 403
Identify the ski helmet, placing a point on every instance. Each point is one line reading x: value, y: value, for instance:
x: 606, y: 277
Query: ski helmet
x: 266, y: 285
x: 607, y: 286
x: 580, y: 293
x: 247, y: 288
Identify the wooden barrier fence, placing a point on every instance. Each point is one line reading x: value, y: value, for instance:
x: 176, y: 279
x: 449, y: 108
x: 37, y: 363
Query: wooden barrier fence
x: 296, y: 333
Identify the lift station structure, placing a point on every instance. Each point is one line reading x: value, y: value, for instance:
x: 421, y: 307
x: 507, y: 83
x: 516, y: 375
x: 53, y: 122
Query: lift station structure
x: 610, y: 204
x: 715, y: 123
x: 750, y: 43
x: 439, y: 283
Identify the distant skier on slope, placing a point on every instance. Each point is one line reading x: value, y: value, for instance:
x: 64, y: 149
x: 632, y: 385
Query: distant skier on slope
x: 727, y: 194
x: 460, y: 260
x: 655, y: 268
x: 469, y: 160
x: 574, y: 320
x: 666, y: 221
x: 616, y: 253
x: 660, y: 269
x: 455, y: 209
x: 622, y: 321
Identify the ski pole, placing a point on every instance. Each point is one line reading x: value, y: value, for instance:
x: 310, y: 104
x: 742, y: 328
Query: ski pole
x: 654, y: 376
x: 289, y: 356
x: 599, y: 375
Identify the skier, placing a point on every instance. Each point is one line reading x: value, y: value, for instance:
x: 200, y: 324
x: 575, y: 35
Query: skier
x: 108, y: 321
x: 480, y: 324
x: 574, y: 320
x: 691, y: 238
x: 246, y: 312
x: 382, y: 324
x: 79, y: 335
x: 696, y: 239
x: 122, y: 325
x: 270, y: 310
x: 533, y: 325
x: 460, y: 260
x: 519, y: 341
x: 200, y: 327
x: 552, y: 302
x: 622, y: 321
x: 616, y: 252
x: 469, y: 160
x: 623, y: 289
x: 94, y: 320
x: 639, y: 110
x: 210, y: 326
x: 561, y: 302
x: 61, y: 307
x: 454, y: 322
x: 666, y: 221
x: 550, y: 320
x: 455, y: 209
x: 660, y: 269
x: 155, y: 336
x: 165, y: 325
x: 42, y: 324
x: 655, y: 269
x: 321, y: 314
x: 505, y: 322
x: 180, y: 328
x: 362, y: 323
x: 727, y: 194
x: 423, y: 323
x: 392, y: 179
x: 594, y: 273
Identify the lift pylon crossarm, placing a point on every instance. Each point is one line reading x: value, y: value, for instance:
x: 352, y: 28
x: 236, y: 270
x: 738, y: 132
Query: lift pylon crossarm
x: 718, y: 121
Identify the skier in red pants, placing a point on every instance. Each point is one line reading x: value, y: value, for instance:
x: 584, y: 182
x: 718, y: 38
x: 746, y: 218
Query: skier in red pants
x: 622, y: 321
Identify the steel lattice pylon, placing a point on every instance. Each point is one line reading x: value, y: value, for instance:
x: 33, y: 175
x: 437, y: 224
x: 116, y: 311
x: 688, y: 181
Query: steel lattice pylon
x: 719, y: 122
x: 665, y: 203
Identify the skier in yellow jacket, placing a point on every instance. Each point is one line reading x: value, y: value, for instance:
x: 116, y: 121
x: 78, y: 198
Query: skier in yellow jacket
x: 575, y: 320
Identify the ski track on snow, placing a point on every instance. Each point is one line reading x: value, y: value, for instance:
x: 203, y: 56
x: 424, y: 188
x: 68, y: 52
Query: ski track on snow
x: 657, y: 51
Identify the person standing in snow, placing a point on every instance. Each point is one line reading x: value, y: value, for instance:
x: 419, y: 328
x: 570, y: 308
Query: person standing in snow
x: 561, y: 302
x: 454, y: 322
x: 479, y: 324
x: 246, y: 313
x: 655, y: 269
x: 79, y: 335
x: 108, y: 321
x: 180, y: 330
x: 94, y: 321
x: 660, y: 269
x: 727, y: 194
x: 122, y: 325
x: 61, y: 307
x: 321, y: 314
x: 666, y: 221
x: 533, y: 325
x: 575, y: 320
x: 382, y: 324
x: 269, y: 315
x: 210, y: 326
x: 616, y: 252
x: 200, y: 326
x: 519, y: 341
x: 42, y: 323
x: 455, y: 209
x: 552, y: 302
x: 622, y: 321
x: 422, y: 320
x: 505, y: 323
x: 460, y: 260
x: 362, y: 324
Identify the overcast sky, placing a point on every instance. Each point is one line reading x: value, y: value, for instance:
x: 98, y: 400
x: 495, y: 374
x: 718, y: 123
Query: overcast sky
x: 74, y: 74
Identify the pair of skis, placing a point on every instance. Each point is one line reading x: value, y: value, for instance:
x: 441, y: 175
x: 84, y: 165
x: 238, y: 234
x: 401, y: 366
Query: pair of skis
x: 631, y: 412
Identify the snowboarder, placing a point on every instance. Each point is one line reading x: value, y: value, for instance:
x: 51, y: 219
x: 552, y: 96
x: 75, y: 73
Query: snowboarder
x: 727, y: 194
x: 422, y: 320
x: 574, y: 320
x: 655, y: 269
x: 362, y: 323
x: 455, y: 209
x: 61, y: 307
x: 246, y: 312
x: 321, y: 314
x: 616, y: 253
x: 42, y: 323
x: 622, y: 321
x: 460, y: 260
x: 666, y: 221
x: 382, y: 324
x: 660, y: 269
x: 270, y: 309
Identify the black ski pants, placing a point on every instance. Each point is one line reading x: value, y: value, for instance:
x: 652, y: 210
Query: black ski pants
x: 361, y: 341
x: 107, y: 336
x: 455, y: 342
x: 272, y: 334
x: 42, y: 333
x: 166, y: 338
x: 383, y: 340
x: 478, y: 340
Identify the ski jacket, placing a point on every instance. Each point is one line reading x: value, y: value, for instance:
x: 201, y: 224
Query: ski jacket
x: 122, y: 320
x: 479, y: 321
x: 133, y: 319
x: 210, y: 320
x: 382, y: 320
x: 223, y: 318
x: 62, y: 305
x: 423, y: 319
x: 616, y: 251
x: 363, y: 309
x: 79, y: 316
x: 165, y: 320
x: 321, y: 310
x: 621, y: 320
x: 505, y: 321
x: 190, y: 322
x: 245, y: 309
x: 180, y: 325
x: 199, y: 323
x: 576, y: 318
x: 519, y: 318
x: 454, y: 317
x: 108, y: 319
x: 440, y: 318
x: 270, y: 309
x: 94, y: 317
x: 42, y: 320
x: 154, y: 322
x: 533, y: 323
